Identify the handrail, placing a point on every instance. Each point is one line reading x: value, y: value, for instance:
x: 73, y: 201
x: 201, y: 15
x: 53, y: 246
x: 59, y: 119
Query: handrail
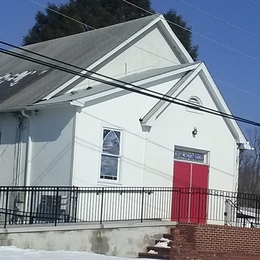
x: 239, y: 210
x: 101, y: 204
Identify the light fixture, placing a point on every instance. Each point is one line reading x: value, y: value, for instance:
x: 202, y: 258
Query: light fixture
x: 194, y: 132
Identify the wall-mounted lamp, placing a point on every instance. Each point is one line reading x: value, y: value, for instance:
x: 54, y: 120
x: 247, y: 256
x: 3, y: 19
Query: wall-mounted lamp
x: 194, y: 132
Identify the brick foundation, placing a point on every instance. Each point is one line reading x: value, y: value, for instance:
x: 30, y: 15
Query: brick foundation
x: 215, y: 242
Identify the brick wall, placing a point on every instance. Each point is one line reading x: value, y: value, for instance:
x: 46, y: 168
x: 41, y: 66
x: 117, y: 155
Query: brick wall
x: 215, y: 242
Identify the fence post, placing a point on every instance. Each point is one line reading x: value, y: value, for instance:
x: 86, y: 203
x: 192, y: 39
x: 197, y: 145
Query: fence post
x: 142, y: 206
x: 56, y: 208
x: 256, y: 210
x: 31, y: 207
x: 6, y: 206
x: 101, y: 206
x: 75, y: 202
x: 179, y: 209
x: 199, y: 206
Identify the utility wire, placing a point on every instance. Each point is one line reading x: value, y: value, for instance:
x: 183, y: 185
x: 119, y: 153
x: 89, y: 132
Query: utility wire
x: 202, y: 36
x: 107, y: 34
x: 220, y: 20
x: 82, y: 70
x: 57, y: 12
x: 253, y: 2
x: 248, y: 56
x: 135, y: 89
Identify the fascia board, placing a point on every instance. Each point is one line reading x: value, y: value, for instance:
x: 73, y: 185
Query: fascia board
x: 148, y: 82
x: 104, y: 58
x: 168, y: 74
x: 222, y: 106
x: 180, y: 46
x: 148, y: 120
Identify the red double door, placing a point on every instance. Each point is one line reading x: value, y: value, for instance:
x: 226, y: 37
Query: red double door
x: 189, y: 198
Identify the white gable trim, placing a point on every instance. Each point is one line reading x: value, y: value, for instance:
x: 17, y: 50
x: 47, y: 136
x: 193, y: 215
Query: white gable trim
x: 222, y: 106
x: 160, y: 20
x: 83, y: 96
x: 148, y: 120
x: 105, y: 57
x: 180, y: 48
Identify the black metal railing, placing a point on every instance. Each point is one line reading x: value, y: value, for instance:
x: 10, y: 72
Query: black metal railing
x: 57, y: 205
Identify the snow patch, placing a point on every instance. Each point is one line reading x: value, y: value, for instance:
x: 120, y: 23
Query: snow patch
x: 152, y: 252
x: 14, y: 79
x: 12, y: 253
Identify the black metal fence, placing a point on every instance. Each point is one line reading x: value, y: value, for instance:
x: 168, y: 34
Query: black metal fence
x: 56, y: 205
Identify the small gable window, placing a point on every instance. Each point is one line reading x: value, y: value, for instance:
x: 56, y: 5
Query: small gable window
x: 195, y: 102
x: 110, y: 157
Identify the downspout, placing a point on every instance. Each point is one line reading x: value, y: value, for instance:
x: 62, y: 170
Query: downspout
x: 28, y: 159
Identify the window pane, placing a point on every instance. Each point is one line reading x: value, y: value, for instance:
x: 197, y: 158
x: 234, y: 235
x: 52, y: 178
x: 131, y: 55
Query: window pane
x: 109, y: 167
x: 111, y: 142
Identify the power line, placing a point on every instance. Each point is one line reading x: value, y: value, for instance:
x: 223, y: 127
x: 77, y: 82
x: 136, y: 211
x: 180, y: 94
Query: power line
x: 57, y: 12
x: 248, y: 56
x: 253, y: 2
x: 135, y: 89
x: 107, y: 34
x: 203, y: 36
x: 220, y: 20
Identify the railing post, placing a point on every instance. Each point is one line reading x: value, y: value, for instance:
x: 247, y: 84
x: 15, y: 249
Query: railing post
x: 6, y: 206
x: 199, y: 207
x: 31, y: 206
x: 179, y: 209
x: 101, y: 206
x: 56, y: 208
x: 142, y: 206
x: 75, y: 203
x: 256, y: 210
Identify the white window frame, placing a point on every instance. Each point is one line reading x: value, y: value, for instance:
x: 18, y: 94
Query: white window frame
x: 189, y: 149
x: 107, y: 179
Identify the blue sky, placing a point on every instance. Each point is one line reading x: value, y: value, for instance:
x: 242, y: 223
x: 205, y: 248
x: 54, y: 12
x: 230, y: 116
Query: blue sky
x: 232, y: 54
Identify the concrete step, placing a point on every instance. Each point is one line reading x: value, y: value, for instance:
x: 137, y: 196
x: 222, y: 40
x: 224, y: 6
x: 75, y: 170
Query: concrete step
x: 170, y: 243
x: 159, y: 250
x: 168, y: 236
x: 154, y: 256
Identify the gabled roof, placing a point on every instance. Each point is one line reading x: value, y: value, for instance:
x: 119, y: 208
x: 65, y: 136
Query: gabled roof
x: 201, y: 69
x: 23, y: 83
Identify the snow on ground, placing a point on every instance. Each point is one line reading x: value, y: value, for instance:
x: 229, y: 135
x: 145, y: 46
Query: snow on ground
x: 11, y: 252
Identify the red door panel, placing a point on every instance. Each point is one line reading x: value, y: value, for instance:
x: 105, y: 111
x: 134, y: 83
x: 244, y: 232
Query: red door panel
x: 200, y: 176
x: 199, y: 185
x: 181, y: 175
x: 180, y: 200
x: 189, y: 206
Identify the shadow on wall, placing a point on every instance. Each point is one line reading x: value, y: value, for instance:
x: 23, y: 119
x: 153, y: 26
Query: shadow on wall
x: 44, y: 178
x: 48, y: 125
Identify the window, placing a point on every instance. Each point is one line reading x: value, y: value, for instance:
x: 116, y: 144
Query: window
x: 110, y: 156
x: 195, y: 102
x: 189, y: 156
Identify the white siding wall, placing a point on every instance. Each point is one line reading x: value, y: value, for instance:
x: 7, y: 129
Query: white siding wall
x: 150, y: 162
x: 12, y: 150
x: 174, y: 127
x: 52, y: 147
